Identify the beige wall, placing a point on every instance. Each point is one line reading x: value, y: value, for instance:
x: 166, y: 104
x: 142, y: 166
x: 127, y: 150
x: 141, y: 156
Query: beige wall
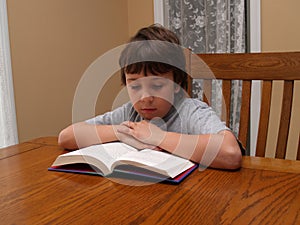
x: 280, y: 32
x: 52, y: 44
x: 140, y: 14
x: 54, y: 41
x: 280, y: 25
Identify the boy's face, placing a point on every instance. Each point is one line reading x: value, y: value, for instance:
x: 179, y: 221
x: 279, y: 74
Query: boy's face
x: 152, y: 96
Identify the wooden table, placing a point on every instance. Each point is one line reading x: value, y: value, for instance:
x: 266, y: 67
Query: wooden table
x: 264, y: 191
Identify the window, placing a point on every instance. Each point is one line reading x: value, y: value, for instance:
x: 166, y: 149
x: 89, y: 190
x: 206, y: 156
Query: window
x: 162, y: 9
x: 8, y: 127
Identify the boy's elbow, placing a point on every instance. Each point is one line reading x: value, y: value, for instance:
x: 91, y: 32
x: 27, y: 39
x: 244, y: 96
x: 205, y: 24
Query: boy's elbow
x: 62, y: 139
x: 233, y: 158
x: 66, y: 139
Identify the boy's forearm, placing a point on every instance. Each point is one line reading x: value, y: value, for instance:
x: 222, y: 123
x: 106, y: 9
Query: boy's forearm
x: 214, y: 150
x: 186, y: 146
x: 82, y: 135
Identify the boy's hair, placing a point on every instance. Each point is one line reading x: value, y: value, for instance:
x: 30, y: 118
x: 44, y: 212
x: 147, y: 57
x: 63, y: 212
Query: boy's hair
x: 154, y: 50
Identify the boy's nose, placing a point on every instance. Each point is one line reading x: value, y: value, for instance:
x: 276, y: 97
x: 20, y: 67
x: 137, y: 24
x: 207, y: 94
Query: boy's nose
x: 146, y: 96
x: 147, y: 99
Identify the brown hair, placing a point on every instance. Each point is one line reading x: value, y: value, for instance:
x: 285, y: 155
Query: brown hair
x: 154, y: 50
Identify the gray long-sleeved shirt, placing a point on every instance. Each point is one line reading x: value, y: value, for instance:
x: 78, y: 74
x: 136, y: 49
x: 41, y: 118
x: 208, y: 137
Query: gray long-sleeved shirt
x: 187, y: 116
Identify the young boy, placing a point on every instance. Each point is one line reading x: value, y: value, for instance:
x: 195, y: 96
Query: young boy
x: 159, y: 115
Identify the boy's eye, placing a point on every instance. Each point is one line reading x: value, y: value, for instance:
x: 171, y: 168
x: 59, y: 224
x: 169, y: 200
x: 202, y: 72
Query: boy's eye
x: 135, y: 87
x: 157, y: 86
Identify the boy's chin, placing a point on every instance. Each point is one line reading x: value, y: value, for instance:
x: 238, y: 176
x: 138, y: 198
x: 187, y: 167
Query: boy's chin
x: 148, y: 117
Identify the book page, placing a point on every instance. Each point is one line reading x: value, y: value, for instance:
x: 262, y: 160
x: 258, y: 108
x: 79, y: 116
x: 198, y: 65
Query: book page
x: 101, y: 156
x: 160, y: 162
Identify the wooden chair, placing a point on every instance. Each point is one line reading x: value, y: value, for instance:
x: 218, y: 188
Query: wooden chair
x: 268, y: 68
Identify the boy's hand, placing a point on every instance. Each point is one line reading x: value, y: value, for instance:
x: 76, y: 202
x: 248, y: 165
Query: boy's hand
x: 130, y: 140
x: 143, y: 131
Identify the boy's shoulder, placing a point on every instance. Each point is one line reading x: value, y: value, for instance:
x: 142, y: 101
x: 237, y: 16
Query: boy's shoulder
x: 191, y: 106
x: 193, y: 102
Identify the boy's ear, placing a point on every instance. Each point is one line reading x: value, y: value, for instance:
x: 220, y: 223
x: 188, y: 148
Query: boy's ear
x: 176, y: 88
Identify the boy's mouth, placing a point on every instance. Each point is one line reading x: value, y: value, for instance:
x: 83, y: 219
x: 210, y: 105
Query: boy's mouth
x: 148, y: 110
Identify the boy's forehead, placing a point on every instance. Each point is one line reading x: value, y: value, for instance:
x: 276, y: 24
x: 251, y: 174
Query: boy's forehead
x: 149, y: 76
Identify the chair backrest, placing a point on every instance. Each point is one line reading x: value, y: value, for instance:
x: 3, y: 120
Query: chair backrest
x: 268, y: 68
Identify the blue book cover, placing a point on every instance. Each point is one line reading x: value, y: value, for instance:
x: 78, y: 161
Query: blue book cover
x: 125, y: 172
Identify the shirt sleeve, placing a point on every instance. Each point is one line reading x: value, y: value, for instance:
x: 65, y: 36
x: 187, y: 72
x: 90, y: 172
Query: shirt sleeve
x: 204, y: 120
x: 114, y: 117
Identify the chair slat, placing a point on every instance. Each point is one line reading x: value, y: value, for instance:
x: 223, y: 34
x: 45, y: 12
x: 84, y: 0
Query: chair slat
x: 190, y: 86
x: 298, y: 152
x: 188, y: 64
x: 264, y: 118
x: 284, y: 119
x: 226, y: 101
x: 245, y: 112
x: 207, y: 91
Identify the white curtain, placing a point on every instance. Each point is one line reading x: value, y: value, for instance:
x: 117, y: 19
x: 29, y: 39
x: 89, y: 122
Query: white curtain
x: 210, y: 26
x: 8, y: 126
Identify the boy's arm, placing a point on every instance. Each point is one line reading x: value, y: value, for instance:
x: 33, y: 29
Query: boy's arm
x: 215, y: 150
x: 82, y: 134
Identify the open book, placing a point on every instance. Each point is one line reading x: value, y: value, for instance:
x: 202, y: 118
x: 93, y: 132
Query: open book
x: 108, y: 158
